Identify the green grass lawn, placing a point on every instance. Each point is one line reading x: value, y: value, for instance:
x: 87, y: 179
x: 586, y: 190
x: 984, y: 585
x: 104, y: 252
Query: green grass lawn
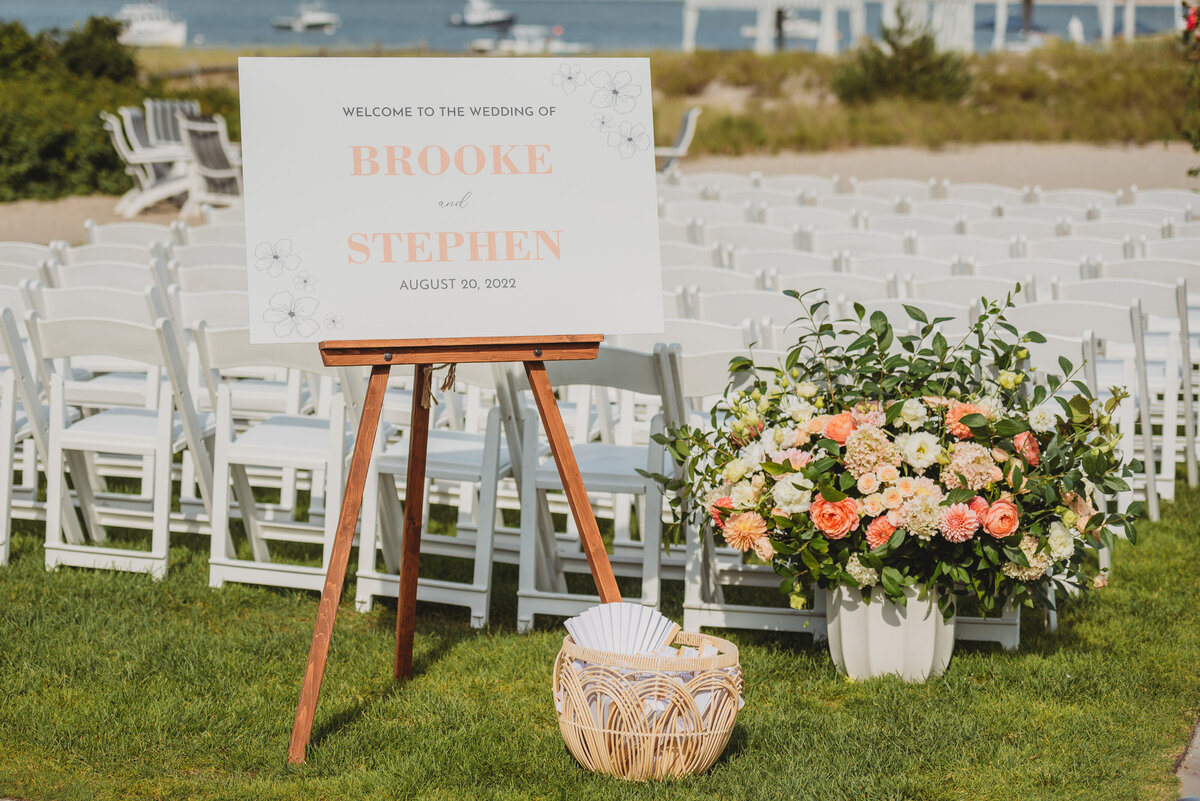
x: 113, y: 686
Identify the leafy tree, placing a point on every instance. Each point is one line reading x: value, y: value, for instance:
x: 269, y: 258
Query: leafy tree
x: 907, y: 64
x: 95, y: 52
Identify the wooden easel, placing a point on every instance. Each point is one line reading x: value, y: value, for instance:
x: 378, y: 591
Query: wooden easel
x: 381, y: 355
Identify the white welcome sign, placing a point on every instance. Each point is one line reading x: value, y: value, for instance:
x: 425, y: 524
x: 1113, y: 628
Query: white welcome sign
x: 427, y: 198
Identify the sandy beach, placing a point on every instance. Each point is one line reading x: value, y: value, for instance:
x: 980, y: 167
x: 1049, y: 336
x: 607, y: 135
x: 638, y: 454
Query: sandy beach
x: 1052, y: 166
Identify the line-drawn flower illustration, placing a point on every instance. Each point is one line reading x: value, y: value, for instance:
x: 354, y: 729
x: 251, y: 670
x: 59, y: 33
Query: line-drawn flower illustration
x: 334, y: 322
x: 603, y: 120
x: 570, y: 77
x: 273, y: 259
x: 628, y: 138
x: 617, y: 92
x: 305, y: 282
x: 289, y: 315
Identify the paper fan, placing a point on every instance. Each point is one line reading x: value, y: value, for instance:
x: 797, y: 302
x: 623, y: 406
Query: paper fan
x: 622, y: 628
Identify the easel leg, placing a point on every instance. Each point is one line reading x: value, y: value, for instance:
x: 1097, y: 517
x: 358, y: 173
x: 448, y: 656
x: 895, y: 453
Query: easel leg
x: 568, y: 470
x: 339, y: 556
x: 410, y: 549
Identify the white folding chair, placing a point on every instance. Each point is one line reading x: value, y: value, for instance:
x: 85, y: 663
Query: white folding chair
x: 953, y: 209
x: 1072, y: 248
x: 903, y: 224
x: 697, y: 335
x: 787, y: 261
x: 318, y: 444
x: 1008, y: 227
x: 710, y: 570
x: 164, y: 426
x: 149, y: 235
x: 707, y: 211
x: 1172, y: 198
x: 1120, y: 325
x: 1167, y: 348
x: 714, y: 181
x: 963, y: 247
x: 1082, y: 199
x: 759, y: 197
x: 855, y: 243
x: 672, y: 231
x: 1185, y: 248
x: 1147, y: 213
x: 889, y: 188
x: 473, y: 458
x: 28, y: 254
x: 988, y: 195
x: 918, y: 267
x: 684, y: 254
x: 706, y: 279
x: 229, y: 233
x: 963, y: 289
x: 862, y: 204
x: 103, y: 252
x: 747, y: 235
x: 814, y: 216
x: 234, y: 213
x: 1044, y: 212
x: 1043, y: 270
x: 841, y: 289
x: 605, y: 468
x: 1120, y: 229
x: 809, y: 184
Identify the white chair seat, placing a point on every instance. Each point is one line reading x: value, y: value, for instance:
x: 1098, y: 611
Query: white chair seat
x: 124, y: 430
x: 452, y: 455
x: 605, y: 468
x: 284, y: 440
x: 109, y: 389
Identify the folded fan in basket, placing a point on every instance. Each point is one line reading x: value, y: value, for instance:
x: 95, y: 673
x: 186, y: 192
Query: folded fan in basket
x: 622, y: 628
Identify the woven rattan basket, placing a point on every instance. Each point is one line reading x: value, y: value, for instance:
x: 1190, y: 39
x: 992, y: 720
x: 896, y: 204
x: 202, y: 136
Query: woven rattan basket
x: 639, y: 717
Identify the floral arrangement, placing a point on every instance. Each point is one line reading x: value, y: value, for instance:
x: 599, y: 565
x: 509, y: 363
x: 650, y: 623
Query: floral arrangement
x: 1191, y: 49
x: 877, y: 457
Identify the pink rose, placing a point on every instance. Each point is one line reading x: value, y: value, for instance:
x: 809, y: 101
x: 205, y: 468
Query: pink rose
x: 955, y: 414
x: 1027, y: 446
x: 714, y: 510
x: 879, y: 531
x: 979, y: 506
x: 1001, y: 518
x: 839, y: 427
x: 834, y: 520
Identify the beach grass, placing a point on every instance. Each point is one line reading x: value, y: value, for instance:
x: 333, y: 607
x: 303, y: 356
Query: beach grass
x: 114, y: 686
x: 1130, y: 93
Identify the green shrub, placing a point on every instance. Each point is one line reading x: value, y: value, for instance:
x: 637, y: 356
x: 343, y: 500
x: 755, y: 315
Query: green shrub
x: 95, y: 52
x: 908, y: 64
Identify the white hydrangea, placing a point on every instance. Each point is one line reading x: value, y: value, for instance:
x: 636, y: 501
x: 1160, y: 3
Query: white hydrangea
x: 921, y: 515
x: 1061, y: 540
x: 743, y: 495
x: 753, y: 455
x: 801, y: 411
x: 793, y: 494
x: 865, y: 576
x: 913, y: 413
x: 734, y: 471
x: 1042, y: 420
x: 919, y: 450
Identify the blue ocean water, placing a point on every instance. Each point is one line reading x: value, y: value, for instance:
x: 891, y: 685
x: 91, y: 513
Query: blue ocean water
x: 609, y: 25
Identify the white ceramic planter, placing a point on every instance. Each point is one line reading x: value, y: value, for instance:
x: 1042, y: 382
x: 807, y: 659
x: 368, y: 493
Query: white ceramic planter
x: 875, y: 639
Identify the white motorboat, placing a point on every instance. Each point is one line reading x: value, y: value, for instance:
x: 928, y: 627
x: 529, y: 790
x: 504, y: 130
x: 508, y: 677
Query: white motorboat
x: 482, y: 14
x: 529, y: 40
x: 793, y: 28
x: 149, y: 24
x: 309, y: 18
